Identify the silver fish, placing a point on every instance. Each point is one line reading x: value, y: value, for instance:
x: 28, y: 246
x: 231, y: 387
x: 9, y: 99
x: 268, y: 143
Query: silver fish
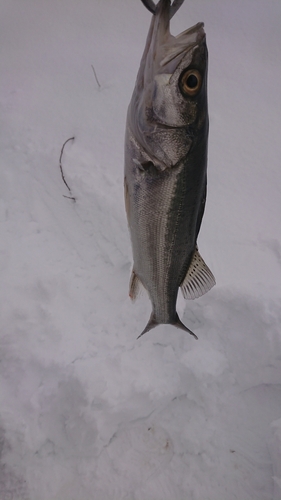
x: 165, y: 168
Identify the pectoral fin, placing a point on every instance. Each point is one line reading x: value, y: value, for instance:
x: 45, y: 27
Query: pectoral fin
x: 127, y: 198
x: 199, y: 278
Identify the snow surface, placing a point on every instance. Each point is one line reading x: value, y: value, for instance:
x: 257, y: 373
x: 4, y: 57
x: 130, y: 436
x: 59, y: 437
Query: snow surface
x: 87, y: 411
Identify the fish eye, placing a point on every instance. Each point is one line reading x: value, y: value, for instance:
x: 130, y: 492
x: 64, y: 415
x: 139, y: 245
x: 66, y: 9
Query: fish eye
x: 190, y: 82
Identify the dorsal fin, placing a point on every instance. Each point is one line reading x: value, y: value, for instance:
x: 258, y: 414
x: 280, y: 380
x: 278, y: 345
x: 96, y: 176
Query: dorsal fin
x: 199, y: 278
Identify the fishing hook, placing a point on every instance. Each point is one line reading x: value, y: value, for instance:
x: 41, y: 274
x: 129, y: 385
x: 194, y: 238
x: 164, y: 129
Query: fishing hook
x: 150, y: 5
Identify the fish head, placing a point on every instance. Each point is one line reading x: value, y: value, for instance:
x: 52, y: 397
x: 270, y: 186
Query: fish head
x: 170, y: 97
x: 178, y: 92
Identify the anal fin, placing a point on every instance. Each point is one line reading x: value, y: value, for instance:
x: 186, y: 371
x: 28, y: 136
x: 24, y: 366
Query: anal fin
x: 199, y: 278
x: 135, y: 286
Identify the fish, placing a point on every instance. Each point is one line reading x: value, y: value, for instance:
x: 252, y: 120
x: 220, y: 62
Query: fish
x: 165, y: 173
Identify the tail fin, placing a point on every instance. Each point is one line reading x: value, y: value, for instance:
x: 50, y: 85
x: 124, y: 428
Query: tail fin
x: 180, y: 325
x: 152, y: 323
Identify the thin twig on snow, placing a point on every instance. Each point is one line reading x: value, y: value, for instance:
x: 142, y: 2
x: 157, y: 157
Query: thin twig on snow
x: 61, y: 169
x: 99, y: 85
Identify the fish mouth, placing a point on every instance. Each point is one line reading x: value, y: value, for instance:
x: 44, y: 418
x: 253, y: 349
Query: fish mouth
x: 150, y: 5
x: 184, y: 42
x: 163, y: 52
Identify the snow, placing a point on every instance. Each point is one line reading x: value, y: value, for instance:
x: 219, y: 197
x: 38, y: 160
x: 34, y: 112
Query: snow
x: 87, y: 411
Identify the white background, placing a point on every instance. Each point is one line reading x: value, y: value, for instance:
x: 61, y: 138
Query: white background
x: 87, y: 412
